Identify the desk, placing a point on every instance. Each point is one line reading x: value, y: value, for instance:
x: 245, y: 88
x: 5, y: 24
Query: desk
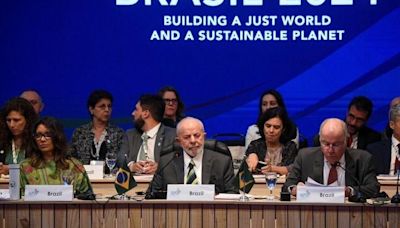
x: 219, y: 214
x: 106, y: 186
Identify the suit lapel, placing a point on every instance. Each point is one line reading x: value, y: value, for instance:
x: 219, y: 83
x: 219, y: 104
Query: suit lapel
x: 159, y: 142
x: 318, y: 173
x: 206, y: 169
x: 179, y: 169
x: 135, y: 143
x: 387, y: 155
x: 350, y: 169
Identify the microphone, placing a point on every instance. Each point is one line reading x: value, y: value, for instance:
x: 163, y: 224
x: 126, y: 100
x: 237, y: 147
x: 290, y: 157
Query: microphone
x: 396, y: 197
x: 159, y: 194
x: 358, y: 197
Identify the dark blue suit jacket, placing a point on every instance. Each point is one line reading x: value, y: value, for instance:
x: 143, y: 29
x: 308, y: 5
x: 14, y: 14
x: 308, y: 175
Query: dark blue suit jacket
x: 381, y: 154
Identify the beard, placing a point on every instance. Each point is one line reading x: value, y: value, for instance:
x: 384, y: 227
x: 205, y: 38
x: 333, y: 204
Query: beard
x: 139, y: 123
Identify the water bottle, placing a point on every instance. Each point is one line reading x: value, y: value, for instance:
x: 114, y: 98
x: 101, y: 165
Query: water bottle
x: 14, y: 183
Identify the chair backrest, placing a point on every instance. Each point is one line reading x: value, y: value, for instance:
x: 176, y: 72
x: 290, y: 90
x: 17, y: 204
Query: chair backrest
x: 235, y: 143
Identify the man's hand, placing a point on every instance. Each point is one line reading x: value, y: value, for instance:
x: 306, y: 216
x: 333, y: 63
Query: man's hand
x: 252, y: 161
x: 150, y: 167
x: 137, y: 167
x: 293, y: 191
x: 4, y: 169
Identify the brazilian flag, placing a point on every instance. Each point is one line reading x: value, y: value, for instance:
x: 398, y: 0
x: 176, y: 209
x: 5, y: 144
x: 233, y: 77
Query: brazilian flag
x: 244, y: 178
x: 124, y: 180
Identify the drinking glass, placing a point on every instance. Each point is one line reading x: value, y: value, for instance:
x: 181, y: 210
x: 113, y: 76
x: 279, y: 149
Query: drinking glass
x: 111, y: 160
x: 270, y: 180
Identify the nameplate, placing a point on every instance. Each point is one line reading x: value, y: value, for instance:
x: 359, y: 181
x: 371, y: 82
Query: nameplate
x: 48, y: 193
x: 190, y: 192
x: 94, y: 171
x: 313, y: 194
x: 4, y: 194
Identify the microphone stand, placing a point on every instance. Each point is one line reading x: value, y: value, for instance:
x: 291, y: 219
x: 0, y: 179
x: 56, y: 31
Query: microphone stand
x: 358, y: 197
x: 396, y: 197
x: 159, y: 194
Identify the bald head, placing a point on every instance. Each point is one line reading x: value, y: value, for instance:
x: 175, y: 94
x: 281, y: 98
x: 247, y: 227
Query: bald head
x: 190, y: 135
x: 34, y: 98
x: 332, y: 136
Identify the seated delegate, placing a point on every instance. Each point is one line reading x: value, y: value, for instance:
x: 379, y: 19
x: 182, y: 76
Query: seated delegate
x: 273, y: 148
x: 192, y: 164
x: 48, y: 164
x: 333, y: 161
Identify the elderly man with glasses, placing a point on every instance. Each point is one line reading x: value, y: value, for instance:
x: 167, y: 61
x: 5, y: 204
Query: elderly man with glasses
x: 333, y: 162
x: 359, y: 135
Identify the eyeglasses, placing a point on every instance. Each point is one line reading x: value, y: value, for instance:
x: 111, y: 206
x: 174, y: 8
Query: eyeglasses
x: 352, y: 117
x: 104, y: 106
x: 171, y: 101
x: 39, y: 136
x: 333, y: 145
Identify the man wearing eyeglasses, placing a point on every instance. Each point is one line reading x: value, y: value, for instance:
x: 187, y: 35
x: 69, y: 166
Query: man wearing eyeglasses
x: 334, y: 162
x: 142, y: 145
x: 359, y: 135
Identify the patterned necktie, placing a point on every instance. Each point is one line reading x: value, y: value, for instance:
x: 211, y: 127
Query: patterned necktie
x: 144, y: 148
x: 396, y: 161
x: 191, y: 176
x: 332, y: 174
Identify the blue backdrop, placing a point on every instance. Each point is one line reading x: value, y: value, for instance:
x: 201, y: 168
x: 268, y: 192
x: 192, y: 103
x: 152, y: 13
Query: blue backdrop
x: 67, y: 48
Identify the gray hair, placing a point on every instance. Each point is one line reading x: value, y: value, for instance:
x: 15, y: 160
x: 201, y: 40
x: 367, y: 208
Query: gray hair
x: 186, y: 119
x: 394, y: 112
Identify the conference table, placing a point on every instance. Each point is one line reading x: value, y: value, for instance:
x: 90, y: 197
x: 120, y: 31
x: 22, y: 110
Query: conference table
x: 137, y: 212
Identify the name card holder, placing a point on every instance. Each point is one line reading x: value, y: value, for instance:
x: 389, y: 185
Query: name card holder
x: 94, y: 171
x: 191, y: 192
x: 48, y: 193
x: 314, y: 194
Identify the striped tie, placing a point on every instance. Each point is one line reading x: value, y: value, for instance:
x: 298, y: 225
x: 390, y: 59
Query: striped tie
x: 191, y: 176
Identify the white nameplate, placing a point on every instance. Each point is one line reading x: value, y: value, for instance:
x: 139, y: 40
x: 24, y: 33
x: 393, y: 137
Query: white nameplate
x: 94, y: 171
x: 48, y: 193
x: 320, y: 194
x: 4, y: 194
x: 191, y: 192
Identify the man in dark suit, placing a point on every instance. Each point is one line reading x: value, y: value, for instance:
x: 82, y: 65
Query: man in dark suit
x: 194, y: 164
x: 359, y: 135
x: 386, y: 152
x: 142, y: 145
x: 333, y: 161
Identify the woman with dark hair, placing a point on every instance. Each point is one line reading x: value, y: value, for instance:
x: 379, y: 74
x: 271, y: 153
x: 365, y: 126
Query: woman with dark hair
x: 17, y: 118
x: 173, y: 106
x: 93, y: 140
x: 276, y: 150
x: 271, y: 99
x: 49, y: 164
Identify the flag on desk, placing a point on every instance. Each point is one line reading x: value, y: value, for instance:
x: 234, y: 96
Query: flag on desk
x: 124, y: 180
x: 244, y: 179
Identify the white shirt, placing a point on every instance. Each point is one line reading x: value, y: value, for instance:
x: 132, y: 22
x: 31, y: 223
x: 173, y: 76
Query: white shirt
x: 151, y: 142
x: 198, y: 164
x: 341, y: 172
x: 394, y: 153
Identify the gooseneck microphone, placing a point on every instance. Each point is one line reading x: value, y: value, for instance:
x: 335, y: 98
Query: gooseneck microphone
x: 159, y: 194
x: 359, y: 196
x: 396, y: 197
